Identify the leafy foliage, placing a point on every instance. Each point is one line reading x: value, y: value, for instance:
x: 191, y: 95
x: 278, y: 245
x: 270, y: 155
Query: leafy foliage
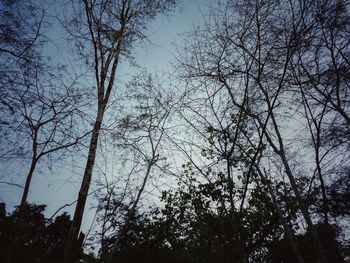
x: 35, y: 239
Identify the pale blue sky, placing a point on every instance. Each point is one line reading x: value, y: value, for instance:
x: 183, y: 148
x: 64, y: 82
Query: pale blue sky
x: 166, y: 31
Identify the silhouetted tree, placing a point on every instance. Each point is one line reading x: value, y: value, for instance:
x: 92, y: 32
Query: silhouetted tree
x: 107, y: 31
x: 38, y: 240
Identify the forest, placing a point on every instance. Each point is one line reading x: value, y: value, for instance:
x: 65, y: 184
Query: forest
x: 230, y: 146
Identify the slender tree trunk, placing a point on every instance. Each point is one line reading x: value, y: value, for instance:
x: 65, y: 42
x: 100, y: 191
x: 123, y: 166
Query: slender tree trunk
x: 317, y: 122
x: 35, y: 159
x: 318, y: 250
x: 325, y: 206
x: 71, y: 244
x: 19, y: 221
x: 287, y: 230
x: 304, y: 210
x: 132, y: 209
x: 27, y: 184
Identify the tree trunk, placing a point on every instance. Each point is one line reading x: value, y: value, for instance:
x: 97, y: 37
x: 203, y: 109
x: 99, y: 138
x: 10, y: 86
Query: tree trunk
x: 83, y: 192
x: 304, y: 210
x: 27, y: 184
x: 133, y: 208
x: 287, y: 230
x: 19, y: 223
x: 318, y: 250
x: 325, y: 206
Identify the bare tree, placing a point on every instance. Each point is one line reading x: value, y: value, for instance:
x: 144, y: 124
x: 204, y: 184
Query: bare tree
x: 246, y: 53
x: 137, y: 141
x: 143, y: 132
x: 39, y: 108
x: 320, y: 64
x: 107, y: 31
x: 51, y: 118
x: 46, y: 121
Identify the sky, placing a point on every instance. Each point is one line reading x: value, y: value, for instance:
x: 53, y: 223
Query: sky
x: 167, y: 31
x: 56, y: 184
